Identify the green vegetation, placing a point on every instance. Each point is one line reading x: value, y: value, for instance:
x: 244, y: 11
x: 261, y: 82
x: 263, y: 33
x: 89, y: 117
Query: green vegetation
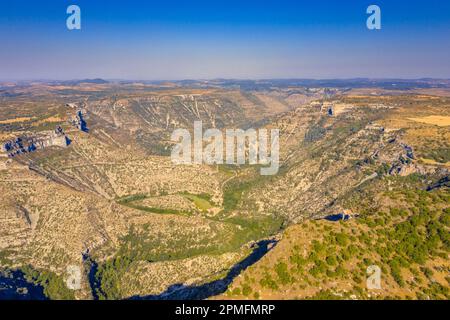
x: 439, y: 155
x: 233, y: 194
x: 137, y: 246
x: 55, y: 287
x: 129, y: 202
x: 413, y: 231
x: 268, y: 282
x: 253, y: 228
x: 201, y: 201
x: 155, y: 210
x: 246, y: 290
x: 108, y: 276
x: 282, y: 272
x: 235, y: 190
x: 4, y: 258
x: 132, y: 198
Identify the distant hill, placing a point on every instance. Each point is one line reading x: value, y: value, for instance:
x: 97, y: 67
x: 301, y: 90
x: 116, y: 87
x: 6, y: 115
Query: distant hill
x: 92, y: 81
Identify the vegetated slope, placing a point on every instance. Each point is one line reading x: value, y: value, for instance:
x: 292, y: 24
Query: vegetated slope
x: 372, y: 166
x: 400, y: 228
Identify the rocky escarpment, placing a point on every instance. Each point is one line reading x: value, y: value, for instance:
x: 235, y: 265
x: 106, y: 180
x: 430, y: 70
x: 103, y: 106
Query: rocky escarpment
x: 78, y: 118
x: 324, y: 158
x: 32, y: 142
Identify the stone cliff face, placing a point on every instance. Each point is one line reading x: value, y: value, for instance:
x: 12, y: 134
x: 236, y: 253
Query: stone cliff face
x: 78, y: 119
x: 149, y: 119
x: 33, y: 142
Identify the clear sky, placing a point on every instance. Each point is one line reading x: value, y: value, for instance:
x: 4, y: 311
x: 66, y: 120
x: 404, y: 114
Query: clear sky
x: 193, y: 39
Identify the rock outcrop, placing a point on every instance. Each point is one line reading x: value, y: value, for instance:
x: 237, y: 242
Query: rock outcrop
x: 30, y: 143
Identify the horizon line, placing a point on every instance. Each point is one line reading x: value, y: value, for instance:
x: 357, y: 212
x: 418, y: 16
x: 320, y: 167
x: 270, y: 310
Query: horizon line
x: 226, y: 79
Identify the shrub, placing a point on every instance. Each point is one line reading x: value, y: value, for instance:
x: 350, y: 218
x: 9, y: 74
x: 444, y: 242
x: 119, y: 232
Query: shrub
x: 236, y: 291
x: 246, y: 290
x: 341, y: 239
x: 331, y: 260
x: 283, y: 274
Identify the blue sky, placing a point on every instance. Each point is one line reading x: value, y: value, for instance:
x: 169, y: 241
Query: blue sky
x: 189, y: 39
